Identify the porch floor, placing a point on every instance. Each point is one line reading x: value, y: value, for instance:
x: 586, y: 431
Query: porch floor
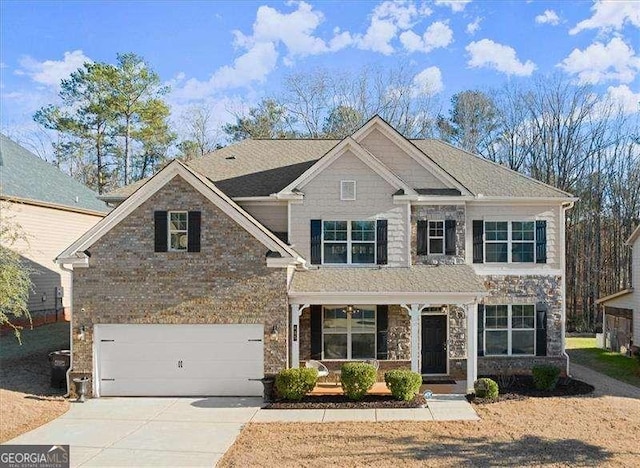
x: 379, y: 388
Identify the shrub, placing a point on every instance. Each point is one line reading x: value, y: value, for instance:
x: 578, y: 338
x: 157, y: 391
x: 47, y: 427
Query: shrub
x: 404, y: 384
x: 294, y: 384
x: 357, y: 378
x: 545, y: 377
x: 486, y: 388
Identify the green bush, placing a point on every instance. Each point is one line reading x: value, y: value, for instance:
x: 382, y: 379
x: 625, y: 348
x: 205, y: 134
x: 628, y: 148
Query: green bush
x: 357, y: 378
x: 404, y: 384
x: 294, y: 384
x: 486, y: 388
x: 545, y: 377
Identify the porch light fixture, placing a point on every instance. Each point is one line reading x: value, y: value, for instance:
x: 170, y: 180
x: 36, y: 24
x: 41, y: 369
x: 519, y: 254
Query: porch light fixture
x: 81, y: 330
x: 350, y: 310
x: 274, y: 333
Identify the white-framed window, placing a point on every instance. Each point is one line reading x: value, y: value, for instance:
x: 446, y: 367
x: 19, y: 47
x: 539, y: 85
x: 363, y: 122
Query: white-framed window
x: 349, y: 242
x: 510, y: 330
x: 349, y: 335
x: 347, y: 190
x: 436, y: 237
x: 178, y: 238
x: 509, y: 241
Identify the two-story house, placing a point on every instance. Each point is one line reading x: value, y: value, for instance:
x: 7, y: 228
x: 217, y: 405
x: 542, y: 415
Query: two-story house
x: 268, y: 253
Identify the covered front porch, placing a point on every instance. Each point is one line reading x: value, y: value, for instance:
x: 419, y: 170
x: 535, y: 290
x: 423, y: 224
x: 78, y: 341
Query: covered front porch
x: 412, y: 318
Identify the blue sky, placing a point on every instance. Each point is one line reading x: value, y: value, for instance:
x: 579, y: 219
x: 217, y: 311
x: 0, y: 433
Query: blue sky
x: 230, y: 54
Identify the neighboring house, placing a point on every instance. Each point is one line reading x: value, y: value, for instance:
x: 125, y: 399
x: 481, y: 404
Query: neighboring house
x: 268, y: 253
x: 51, y: 210
x: 621, y: 311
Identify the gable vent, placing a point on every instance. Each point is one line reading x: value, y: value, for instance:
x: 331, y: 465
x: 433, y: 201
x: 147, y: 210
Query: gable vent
x: 347, y: 190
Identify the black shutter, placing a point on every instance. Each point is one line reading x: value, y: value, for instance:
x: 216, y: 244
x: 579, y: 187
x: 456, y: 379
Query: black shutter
x: 381, y: 242
x: 450, y: 237
x: 193, y: 231
x: 316, y: 332
x: 422, y: 237
x: 478, y: 245
x: 480, y: 330
x: 541, y: 242
x: 160, y: 240
x: 541, y: 329
x: 316, y: 241
x: 382, y: 326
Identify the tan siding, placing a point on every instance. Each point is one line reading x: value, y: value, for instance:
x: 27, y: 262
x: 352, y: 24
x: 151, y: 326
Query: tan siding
x: 403, y: 165
x: 49, y: 231
x: 272, y: 216
x: 516, y: 213
x: 373, y: 201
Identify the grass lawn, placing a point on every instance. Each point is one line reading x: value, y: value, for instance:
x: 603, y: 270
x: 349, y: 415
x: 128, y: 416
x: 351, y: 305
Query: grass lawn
x: 554, y: 431
x: 583, y: 351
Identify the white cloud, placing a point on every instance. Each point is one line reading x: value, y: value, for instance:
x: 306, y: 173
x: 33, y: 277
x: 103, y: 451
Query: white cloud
x: 603, y: 62
x: 548, y: 17
x: 610, y: 15
x: 387, y: 19
x: 624, y: 97
x: 456, y: 5
x: 438, y: 35
x: 51, y: 72
x: 474, y: 27
x: 428, y: 82
x: 295, y: 30
x: 486, y: 53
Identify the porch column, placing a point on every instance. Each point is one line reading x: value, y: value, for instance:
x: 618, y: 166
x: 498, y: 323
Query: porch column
x: 472, y: 345
x: 296, y: 312
x: 414, y: 311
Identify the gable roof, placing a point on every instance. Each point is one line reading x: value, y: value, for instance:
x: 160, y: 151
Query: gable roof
x: 348, y: 144
x: 154, y: 184
x: 25, y: 176
x: 259, y: 168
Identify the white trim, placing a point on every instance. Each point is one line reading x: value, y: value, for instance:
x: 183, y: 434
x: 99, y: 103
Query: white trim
x: 348, y: 144
x: 202, y: 185
x: 491, y: 200
x: 263, y: 200
x: 432, y: 199
x: 384, y: 298
x: 491, y: 270
x: 410, y: 149
x: 472, y: 345
x: 634, y: 235
x: 343, y: 197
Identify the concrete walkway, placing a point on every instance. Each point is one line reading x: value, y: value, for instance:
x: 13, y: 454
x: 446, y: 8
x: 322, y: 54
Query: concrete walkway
x: 147, y: 431
x: 604, y: 384
x: 194, y: 431
x: 439, y: 408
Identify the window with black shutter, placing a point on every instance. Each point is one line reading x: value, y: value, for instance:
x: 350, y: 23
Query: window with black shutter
x: 160, y: 224
x: 478, y: 241
x: 381, y: 242
x: 382, y: 325
x: 422, y: 237
x: 450, y: 237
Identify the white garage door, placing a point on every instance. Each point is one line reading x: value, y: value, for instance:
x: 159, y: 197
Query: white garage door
x: 179, y: 360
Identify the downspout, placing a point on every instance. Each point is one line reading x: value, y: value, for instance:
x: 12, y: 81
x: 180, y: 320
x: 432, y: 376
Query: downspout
x: 70, y: 270
x: 565, y: 207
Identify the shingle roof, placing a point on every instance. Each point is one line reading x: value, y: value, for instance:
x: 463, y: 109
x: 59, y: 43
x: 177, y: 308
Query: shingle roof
x: 262, y: 167
x: 24, y: 175
x: 416, y: 279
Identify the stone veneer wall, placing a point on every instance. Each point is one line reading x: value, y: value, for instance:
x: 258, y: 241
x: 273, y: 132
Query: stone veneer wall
x: 226, y: 282
x: 438, y: 213
x: 527, y: 289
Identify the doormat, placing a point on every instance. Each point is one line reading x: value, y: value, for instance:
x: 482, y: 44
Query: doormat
x: 438, y: 382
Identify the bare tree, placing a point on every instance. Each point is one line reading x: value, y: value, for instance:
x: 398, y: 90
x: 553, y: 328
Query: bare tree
x: 198, y: 122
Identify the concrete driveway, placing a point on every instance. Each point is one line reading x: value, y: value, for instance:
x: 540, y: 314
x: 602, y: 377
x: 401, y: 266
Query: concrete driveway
x: 147, y: 431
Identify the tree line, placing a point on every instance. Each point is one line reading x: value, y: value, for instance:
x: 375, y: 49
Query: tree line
x: 113, y: 128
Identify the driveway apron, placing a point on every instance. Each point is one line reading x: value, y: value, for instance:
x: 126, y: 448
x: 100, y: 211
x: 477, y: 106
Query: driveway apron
x: 147, y: 431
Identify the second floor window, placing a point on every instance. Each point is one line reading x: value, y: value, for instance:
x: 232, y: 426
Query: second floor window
x: 178, y: 231
x: 349, y: 242
x: 436, y: 237
x: 512, y: 242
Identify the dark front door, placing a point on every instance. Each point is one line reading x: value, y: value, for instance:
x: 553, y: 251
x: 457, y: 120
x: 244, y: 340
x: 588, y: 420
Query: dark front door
x: 434, y: 344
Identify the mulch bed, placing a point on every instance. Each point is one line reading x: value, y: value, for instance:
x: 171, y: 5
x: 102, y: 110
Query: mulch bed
x: 342, y: 402
x: 521, y: 387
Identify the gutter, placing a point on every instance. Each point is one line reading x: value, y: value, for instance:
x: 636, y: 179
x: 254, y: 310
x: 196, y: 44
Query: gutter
x: 565, y: 207
x: 70, y: 270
